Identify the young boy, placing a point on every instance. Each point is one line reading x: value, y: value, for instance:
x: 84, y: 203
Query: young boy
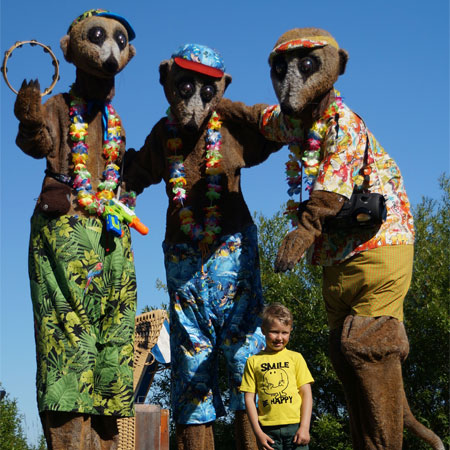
x: 282, y: 381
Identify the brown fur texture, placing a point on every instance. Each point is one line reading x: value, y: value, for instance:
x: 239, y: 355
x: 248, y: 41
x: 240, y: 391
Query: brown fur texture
x: 195, y: 437
x: 201, y: 437
x: 44, y: 129
x: 420, y: 430
x: 244, y: 435
x: 374, y: 358
x: 100, y: 62
x: 242, y: 146
x: 70, y: 431
x: 307, y: 97
x: 194, y: 113
x: 367, y: 353
x: 320, y: 205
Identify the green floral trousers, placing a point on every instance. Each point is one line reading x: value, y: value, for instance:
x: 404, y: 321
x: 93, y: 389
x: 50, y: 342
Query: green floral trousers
x: 83, y: 288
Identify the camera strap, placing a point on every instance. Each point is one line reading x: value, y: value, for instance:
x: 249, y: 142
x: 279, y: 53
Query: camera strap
x: 366, y: 169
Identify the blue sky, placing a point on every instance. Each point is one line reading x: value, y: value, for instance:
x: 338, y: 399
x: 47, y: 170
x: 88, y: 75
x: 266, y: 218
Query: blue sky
x: 397, y: 79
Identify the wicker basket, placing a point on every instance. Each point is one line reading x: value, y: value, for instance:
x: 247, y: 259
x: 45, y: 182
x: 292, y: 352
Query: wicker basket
x: 147, y: 329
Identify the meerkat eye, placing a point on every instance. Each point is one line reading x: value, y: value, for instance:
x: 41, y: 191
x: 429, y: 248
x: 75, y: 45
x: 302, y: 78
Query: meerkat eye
x: 186, y: 88
x: 121, y: 39
x: 207, y: 92
x: 97, y: 35
x: 307, y: 66
x: 279, y: 67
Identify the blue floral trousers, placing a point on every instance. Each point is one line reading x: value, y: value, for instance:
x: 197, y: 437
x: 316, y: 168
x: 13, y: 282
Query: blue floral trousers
x: 215, y: 308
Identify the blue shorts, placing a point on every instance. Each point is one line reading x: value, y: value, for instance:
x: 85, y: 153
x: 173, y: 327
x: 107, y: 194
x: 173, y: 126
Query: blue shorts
x: 215, y: 307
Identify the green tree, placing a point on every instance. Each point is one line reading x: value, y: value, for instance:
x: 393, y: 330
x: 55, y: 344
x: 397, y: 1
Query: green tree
x: 11, y: 429
x: 426, y: 370
x: 12, y: 435
x: 42, y: 445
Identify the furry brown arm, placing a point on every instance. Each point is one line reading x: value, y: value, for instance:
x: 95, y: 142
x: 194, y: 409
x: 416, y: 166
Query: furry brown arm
x: 243, y: 122
x: 145, y: 167
x: 321, y: 205
x: 33, y: 136
x: 259, y: 148
x: 241, y: 113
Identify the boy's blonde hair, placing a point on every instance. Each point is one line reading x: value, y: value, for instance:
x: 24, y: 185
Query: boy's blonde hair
x: 276, y: 311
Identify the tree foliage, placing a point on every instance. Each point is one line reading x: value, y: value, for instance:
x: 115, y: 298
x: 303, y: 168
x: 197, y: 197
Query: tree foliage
x: 426, y: 370
x: 12, y: 435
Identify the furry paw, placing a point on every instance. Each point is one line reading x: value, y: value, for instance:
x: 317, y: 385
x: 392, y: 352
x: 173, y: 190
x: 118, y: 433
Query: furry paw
x: 291, y: 251
x: 28, y: 107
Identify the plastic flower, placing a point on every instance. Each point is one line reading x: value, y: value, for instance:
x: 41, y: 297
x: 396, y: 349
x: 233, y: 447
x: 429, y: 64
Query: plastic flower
x: 213, y: 140
x: 305, y: 153
x: 93, y: 203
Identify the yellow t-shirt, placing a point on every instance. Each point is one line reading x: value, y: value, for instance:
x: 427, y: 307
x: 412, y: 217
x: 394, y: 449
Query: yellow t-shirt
x: 276, y: 378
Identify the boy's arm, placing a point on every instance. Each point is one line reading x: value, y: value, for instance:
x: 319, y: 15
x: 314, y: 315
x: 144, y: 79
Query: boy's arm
x: 264, y: 441
x: 302, y: 436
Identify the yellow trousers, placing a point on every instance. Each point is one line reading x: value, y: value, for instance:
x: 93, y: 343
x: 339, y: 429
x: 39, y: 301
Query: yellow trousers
x: 372, y: 283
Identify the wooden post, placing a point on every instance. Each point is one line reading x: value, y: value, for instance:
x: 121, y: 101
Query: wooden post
x: 152, y: 427
x: 164, y: 429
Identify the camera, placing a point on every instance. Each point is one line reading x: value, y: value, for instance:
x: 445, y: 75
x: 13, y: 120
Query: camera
x: 362, y: 210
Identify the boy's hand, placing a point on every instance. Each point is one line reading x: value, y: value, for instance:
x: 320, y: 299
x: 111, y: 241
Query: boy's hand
x: 302, y: 436
x: 264, y: 441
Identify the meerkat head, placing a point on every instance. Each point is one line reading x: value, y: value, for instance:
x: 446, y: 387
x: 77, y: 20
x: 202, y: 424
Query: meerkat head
x: 305, y: 63
x: 194, y: 81
x: 98, y: 43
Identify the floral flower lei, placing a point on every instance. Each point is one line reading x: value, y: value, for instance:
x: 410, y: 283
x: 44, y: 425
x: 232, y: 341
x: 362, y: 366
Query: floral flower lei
x: 305, y: 153
x: 213, y: 170
x: 94, y: 203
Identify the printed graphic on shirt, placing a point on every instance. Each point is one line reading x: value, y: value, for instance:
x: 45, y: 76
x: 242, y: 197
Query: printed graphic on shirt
x: 275, y: 383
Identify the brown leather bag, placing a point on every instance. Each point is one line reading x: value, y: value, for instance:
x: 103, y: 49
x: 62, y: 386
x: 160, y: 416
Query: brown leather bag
x: 55, y: 197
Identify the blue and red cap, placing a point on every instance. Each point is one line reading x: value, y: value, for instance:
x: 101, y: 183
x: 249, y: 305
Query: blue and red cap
x: 200, y: 58
x: 104, y: 13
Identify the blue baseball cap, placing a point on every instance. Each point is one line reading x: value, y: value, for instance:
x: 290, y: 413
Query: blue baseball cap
x: 104, y: 13
x: 200, y: 58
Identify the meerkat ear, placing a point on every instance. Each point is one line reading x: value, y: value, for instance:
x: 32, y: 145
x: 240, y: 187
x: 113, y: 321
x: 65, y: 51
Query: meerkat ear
x: 164, y: 68
x: 343, y: 58
x: 64, y: 44
x: 132, y: 51
x: 228, y: 80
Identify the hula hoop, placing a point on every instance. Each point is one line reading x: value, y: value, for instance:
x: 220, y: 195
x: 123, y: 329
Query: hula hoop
x: 47, y: 49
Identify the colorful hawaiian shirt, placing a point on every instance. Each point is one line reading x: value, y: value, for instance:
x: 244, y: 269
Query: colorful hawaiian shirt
x: 339, y: 170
